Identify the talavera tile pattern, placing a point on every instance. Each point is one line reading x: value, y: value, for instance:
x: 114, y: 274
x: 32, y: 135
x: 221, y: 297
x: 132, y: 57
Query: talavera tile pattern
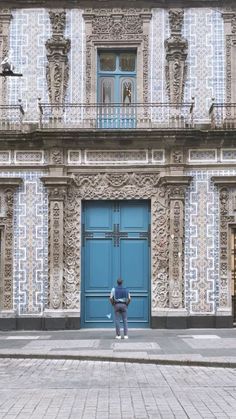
x: 30, y: 243
x: 202, y: 248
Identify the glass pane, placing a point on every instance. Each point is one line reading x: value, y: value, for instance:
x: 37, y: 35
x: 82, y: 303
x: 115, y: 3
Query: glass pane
x: 107, y: 90
x: 127, y: 92
x: 107, y: 61
x: 127, y: 61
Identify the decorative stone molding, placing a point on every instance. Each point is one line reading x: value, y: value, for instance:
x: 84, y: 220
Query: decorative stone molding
x: 225, y: 185
x: 230, y: 44
x: 113, y: 28
x: 56, y: 156
x: 57, y: 70
x: 176, y: 53
x: 7, y: 190
x: 5, y: 20
x: 126, y: 185
x: 57, y: 189
x: 176, y: 189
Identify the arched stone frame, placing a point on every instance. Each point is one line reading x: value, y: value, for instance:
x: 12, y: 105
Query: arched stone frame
x: 165, y: 195
x: 7, y: 190
x: 117, y: 28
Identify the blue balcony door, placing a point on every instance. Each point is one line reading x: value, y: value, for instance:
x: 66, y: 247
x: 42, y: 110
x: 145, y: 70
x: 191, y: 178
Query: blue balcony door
x: 115, y: 243
x: 116, y: 89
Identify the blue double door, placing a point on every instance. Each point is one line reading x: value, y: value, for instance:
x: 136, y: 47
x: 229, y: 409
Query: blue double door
x: 115, y: 243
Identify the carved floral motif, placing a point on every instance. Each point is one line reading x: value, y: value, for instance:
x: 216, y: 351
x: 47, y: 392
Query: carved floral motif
x: 57, y: 70
x: 117, y: 186
x: 112, y: 25
x: 6, y: 220
x: 224, y: 220
x: 176, y: 53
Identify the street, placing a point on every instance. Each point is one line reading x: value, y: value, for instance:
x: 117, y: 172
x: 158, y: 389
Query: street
x: 61, y: 389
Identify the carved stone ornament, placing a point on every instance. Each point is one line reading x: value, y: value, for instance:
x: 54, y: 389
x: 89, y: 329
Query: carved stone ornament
x: 176, y: 190
x: 225, y: 185
x: 115, y: 186
x: 7, y: 190
x: 57, y: 188
x: 57, y: 70
x: 176, y: 53
x: 109, y: 26
x: 229, y: 17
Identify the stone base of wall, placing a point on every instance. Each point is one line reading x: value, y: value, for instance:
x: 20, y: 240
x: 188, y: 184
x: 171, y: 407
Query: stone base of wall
x: 165, y: 322
x: 40, y: 323
x: 73, y: 323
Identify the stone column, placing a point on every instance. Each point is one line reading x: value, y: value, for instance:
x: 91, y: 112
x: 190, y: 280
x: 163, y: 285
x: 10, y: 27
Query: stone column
x: 57, y: 188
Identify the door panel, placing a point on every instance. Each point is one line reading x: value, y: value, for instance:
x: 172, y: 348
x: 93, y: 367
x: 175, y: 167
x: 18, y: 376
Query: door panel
x: 115, y: 244
x: 134, y: 263
x: 98, y: 260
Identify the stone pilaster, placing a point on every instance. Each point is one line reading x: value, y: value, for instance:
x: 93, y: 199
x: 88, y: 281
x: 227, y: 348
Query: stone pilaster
x: 176, y: 189
x: 230, y: 48
x: 57, y: 189
x: 225, y: 185
x: 7, y: 189
x: 57, y: 71
x: 176, y: 53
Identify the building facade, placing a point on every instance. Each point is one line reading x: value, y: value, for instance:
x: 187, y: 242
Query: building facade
x: 117, y: 158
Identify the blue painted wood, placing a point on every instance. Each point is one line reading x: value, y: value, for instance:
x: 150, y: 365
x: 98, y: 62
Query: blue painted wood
x: 121, y: 114
x: 115, y: 244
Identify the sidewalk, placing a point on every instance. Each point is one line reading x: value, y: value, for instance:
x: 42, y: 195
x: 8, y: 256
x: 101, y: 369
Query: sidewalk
x: 200, y: 347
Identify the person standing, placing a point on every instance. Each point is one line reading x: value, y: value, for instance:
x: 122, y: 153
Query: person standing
x: 120, y: 299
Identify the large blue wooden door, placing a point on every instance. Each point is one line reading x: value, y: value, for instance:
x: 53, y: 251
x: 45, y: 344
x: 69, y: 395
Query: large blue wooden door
x: 116, y: 243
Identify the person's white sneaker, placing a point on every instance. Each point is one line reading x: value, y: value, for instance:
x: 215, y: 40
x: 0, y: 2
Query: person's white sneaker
x: 118, y: 337
x: 126, y: 337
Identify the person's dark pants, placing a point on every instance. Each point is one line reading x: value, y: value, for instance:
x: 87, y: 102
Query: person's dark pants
x: 121, y: 311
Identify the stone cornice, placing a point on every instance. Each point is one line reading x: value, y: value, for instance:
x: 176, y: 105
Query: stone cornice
x: 175, y: 180
x: 113, y: 3
x: 10, y: 181
x: 55, y: 181
x: 224, y: 180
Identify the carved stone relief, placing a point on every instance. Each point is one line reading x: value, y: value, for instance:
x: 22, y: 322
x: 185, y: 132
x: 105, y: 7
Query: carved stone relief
x: 123, y: 185
x: 57, y: 70
x: 7, y: 189
x: 176, y: 53
x: 56, y: 194
x: 225, y: 186
x: 230, y: 43
x: 117, y: 27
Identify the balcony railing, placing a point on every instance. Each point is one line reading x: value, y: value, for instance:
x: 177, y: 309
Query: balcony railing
x: 223, y: 115
x: 11, y: 117
x: 116, y: 116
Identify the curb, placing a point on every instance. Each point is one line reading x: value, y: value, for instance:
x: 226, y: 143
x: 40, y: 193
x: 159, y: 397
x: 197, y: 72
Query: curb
x: 157, y: 361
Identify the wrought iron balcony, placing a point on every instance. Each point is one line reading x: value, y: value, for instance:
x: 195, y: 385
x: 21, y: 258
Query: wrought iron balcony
x: 116, y: 116
x: 11, y: 117
x: 223, y: 115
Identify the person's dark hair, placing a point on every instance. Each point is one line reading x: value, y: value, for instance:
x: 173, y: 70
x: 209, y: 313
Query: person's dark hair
x: 119, y: 281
